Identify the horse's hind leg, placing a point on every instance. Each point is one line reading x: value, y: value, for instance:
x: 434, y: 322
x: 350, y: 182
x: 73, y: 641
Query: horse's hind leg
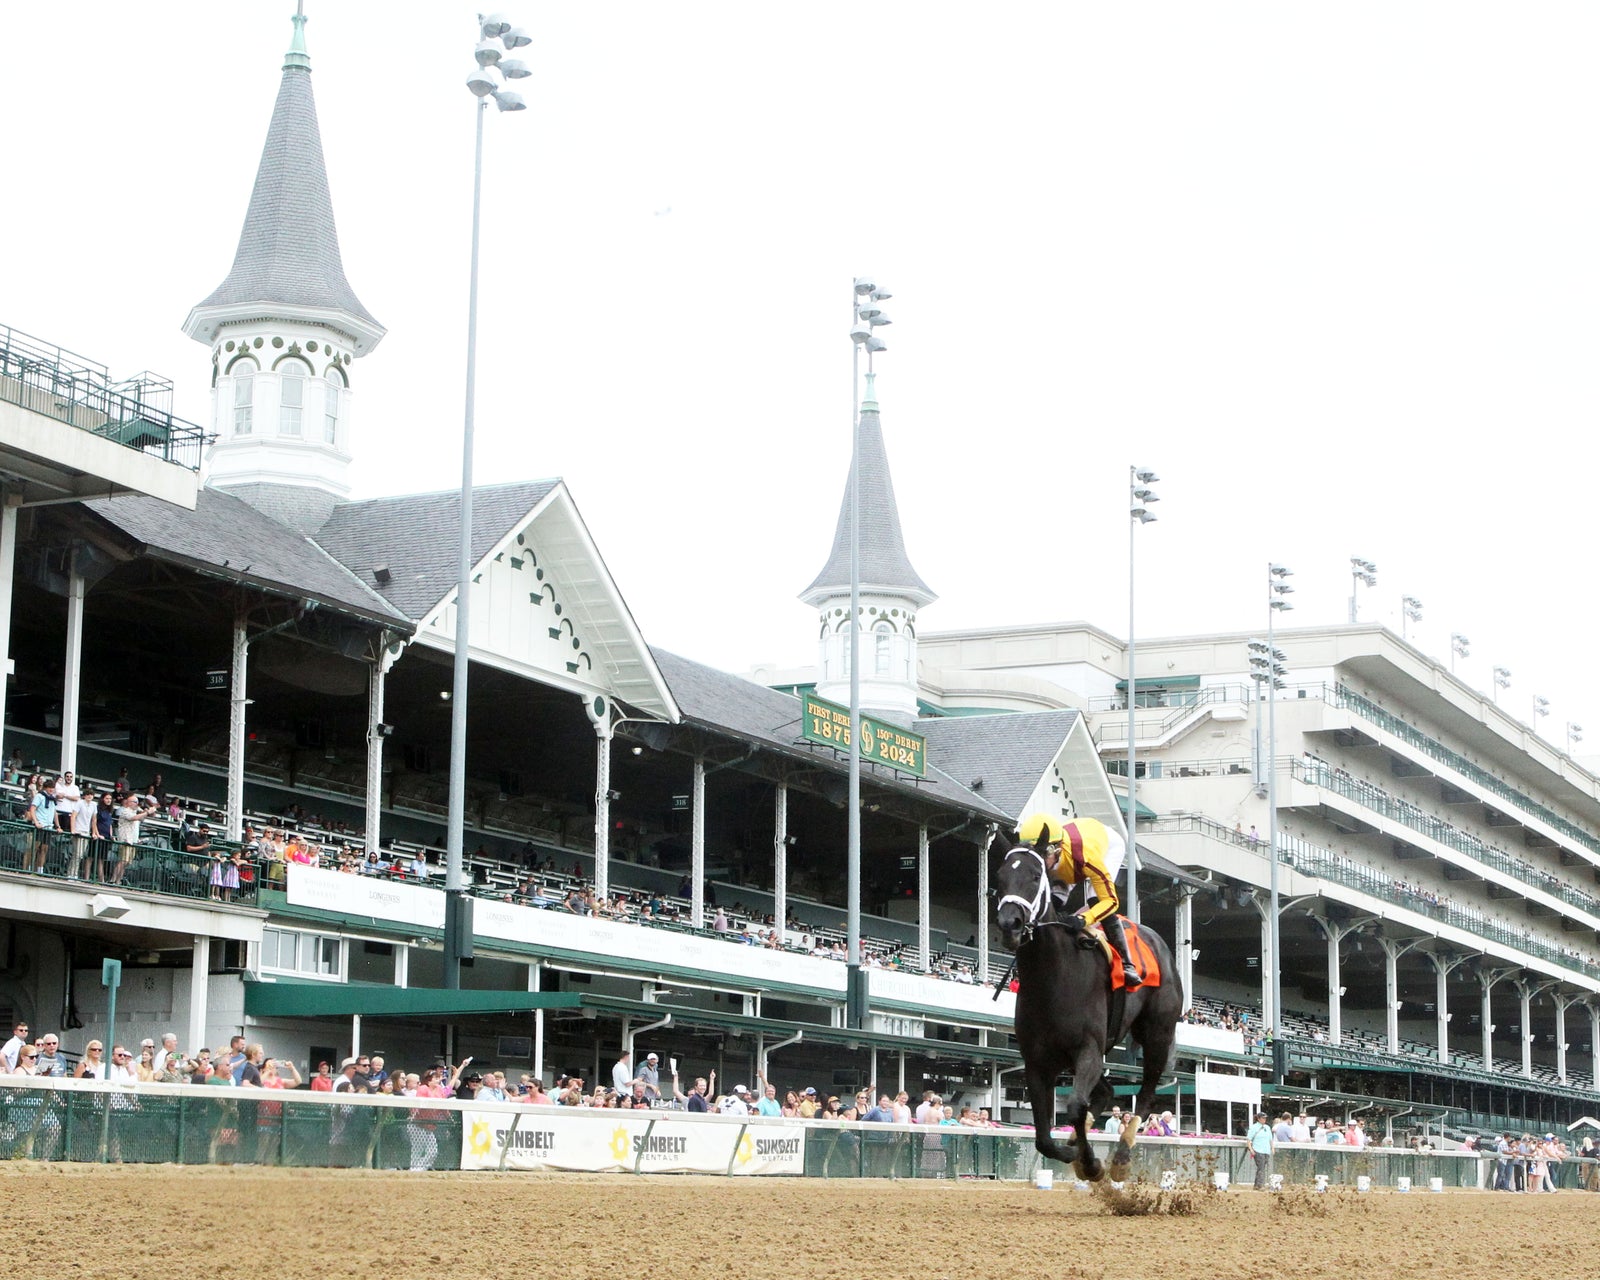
x: 1042, y: 1097
x: 1086, y: 1075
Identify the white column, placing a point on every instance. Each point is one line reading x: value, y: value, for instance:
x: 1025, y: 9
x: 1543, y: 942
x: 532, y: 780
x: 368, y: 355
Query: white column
x: 355, y: 1035
x: 1269, y: 1015
x: 1525, y: 995
x: 1441, y: 974
x: 72, y: 689
x: 1335, y: 986
x: 238, y: 701
x: 924, y: 914
x: 374, y: 822
x: 1594, y: 1044
x: 199, y: 993
x: 780, y: 858
x: 1486, y: 1017
x: 8, y: 565
x: 1183, y: 937
x: 535, y: 982
x: 1391, y: 989
x: 602, y: 808
x: 1561, y: 1038
x: 983, y: 909
x: 402, y: 965
x: 697, y: 845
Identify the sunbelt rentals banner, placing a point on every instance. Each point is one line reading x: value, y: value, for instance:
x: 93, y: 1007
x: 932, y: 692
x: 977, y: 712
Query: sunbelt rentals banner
x: 628, y: 1142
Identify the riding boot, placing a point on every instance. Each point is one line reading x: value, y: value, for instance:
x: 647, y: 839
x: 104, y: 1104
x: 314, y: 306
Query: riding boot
x: 1133, y: 976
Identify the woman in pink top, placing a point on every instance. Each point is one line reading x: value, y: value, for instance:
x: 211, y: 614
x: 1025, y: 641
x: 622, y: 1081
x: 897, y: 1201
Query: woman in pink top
x: 322, y: 1082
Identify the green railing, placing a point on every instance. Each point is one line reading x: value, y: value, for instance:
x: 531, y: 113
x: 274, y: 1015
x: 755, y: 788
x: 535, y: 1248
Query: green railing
x: 1323, y: 864
x: 1343, y: 696
x: 1321, y: 774
x: 148, y: 867
x: 89, y: 1122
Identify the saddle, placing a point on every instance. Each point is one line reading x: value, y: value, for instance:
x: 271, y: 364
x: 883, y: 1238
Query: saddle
x: 1143, y: 952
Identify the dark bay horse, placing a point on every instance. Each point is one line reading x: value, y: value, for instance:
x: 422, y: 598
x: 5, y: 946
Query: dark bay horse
x: 1064, y: 1006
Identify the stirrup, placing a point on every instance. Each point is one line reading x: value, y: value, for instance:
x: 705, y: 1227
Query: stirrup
x: 1132, y: 977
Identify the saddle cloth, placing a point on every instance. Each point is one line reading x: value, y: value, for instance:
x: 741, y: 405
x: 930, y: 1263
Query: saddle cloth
x: 1143, y: 952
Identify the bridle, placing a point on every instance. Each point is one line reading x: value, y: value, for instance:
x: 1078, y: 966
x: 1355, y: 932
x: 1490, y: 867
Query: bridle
x: 1038, y: 905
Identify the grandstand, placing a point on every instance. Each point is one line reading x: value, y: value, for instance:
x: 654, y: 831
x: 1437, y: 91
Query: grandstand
x: 656, y: 848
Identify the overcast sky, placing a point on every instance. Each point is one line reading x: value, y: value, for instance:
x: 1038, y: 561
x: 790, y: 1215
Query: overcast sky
x: 1330, y: 269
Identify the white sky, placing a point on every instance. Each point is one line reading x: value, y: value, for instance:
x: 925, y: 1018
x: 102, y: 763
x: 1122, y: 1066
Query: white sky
x: 1331, y: 269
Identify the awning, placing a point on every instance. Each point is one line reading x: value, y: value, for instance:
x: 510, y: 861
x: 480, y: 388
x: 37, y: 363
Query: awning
x: 342, y: 1000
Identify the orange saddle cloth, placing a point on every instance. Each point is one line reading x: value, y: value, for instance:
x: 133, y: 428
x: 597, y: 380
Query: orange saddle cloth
x: 1143, y: 952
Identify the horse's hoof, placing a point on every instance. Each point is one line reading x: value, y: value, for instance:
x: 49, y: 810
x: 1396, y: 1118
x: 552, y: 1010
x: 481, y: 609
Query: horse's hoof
x: 1094, y: 1171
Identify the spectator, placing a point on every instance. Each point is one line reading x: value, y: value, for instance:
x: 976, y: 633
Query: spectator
x: 50, y: 1061
x: 622, y: 1072
x: 92, y: 1066
x: 11, y: 1051
x: 248, y: 1074
x: 736, y: 1103
x: 322, y: 1082
x: 345, y: 1081
x: 27, y: 1064
x: 233, y: 1061
x: 1283, y: 1131
x: 695, y: 1099
x: 768, y: 1105
x: 271, y: 1074
x: 145, y: 1067
x: 809, y: 1105
x: 168, y: 1048
x: 121, y: 1070
x: 650, y: 1077
x: 42, y: 813
x: 1113, y: 1124
x: 1260, y: 1141
x: 375, y: 1071
x: 882, y: 1112
x: 1300, y: 1130
x: 200, y: 1069
x: 67, y: 796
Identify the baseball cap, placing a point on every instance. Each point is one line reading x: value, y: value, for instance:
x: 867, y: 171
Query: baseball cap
x: 739, y: 1088
x: 810, y: 1092
x: 348, y: 1062
x: 650, y: 1057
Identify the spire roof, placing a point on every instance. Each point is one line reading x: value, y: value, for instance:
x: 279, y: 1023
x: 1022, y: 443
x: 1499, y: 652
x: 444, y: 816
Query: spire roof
x: 289, y: 249
x: 884, y: 565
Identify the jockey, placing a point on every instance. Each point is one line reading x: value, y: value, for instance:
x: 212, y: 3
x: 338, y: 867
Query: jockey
x: 1084, y: 850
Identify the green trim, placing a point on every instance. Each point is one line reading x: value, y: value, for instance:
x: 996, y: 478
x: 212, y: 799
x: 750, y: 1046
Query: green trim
x: 1164, y: 682
x: 338, y: 1000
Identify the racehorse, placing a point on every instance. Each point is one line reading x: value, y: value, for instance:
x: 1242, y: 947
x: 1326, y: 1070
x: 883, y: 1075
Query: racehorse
x: 1065, y: 1007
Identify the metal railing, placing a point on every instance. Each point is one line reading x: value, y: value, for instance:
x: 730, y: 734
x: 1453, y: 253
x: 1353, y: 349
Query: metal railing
x: 134, y: 412
x: 1348, y: 699
x: 149, y: 867
x: 1321, y: 774
x: 1324, y: 864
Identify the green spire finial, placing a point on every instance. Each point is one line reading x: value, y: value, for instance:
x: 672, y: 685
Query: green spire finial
x: 870, y: 404
x: 297, y: 55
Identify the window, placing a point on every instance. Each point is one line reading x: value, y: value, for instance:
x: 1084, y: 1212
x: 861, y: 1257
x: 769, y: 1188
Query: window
x: 243, y: 397
x: 313, y: 955
x: 883, y: 645
x: 292, y: 398
x: 330, y: 412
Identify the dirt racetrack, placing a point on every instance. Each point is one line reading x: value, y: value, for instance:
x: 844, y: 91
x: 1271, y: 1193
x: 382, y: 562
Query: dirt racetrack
x: 83, y: 1220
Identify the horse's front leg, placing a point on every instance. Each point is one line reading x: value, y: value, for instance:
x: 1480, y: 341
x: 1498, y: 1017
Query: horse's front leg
x: 1042, y: 1097
x: 1086, y: 1075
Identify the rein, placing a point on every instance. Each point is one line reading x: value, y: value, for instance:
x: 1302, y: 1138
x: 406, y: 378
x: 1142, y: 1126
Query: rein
x: 1037, y: 907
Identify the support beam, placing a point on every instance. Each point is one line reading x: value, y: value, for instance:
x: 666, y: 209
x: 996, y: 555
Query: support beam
x: 535, y: 982
x: 72, y: 686
x: 1443, y: 964
x: 924, y: 906
x: 199, y: 991
x: 1335, y: 984
x: 1525, y: 992
x: 1269, y: 1015
x: 1594, y: 1042
x: 602, y: 808
x: 697, y: 845
x: 1392, y: 951
x: 238, y: 700
x: 1183, y: 935
x: 983, y: 906
x: 8, y: 569
x: 1561, y: 1036
x: 1486, y: 1015
x: 374, y: 797
x: 780, y: 857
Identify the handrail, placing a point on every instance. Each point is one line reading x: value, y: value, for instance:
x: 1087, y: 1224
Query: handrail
x: 147, y: 867
x: 1319, y: 773
x: 1323, y: 864
x: 133, y: 412
x: 1348, y: 699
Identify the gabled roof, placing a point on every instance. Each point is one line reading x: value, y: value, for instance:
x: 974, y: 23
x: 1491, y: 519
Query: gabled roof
x: 289, y: 249
x: 754, y: 713
x: 884, y: 564
x: 1011, y: 751
x: 416, y: 536
x: 226, y: 536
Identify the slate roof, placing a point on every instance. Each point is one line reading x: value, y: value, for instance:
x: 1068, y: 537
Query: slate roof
x: 884, y: 564
x: 754, y: 713
x: 1010, y: 751
x: 416, y: 536
x: 226, y: 535
x: 289, y: 249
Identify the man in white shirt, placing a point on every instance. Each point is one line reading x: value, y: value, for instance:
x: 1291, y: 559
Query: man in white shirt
x: 67, y: 796
x: 622, y: 1073
x: 736, y: 1103
x: 1300, y: 1130
x: 168, y: 1049
x: 82, y: 820
x: 11, y: 1051
x: 121, y: 1069
x: 130, y: 813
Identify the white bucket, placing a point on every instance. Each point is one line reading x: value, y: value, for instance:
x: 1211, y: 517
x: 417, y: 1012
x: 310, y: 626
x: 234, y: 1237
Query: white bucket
x: 1402, y: 1184
x: 1169, y: 1179
x: 1275, y: 1182
x: 1322, y: 1182
x: 1435, y: 1184
x: 1363, y: 1182
x: 1044, y: 1179
x: 1221, y: 1181
x: 1080, y: 1185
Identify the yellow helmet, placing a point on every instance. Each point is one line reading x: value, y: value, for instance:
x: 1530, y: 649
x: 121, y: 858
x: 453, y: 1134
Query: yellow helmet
x: 1036, y: 824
